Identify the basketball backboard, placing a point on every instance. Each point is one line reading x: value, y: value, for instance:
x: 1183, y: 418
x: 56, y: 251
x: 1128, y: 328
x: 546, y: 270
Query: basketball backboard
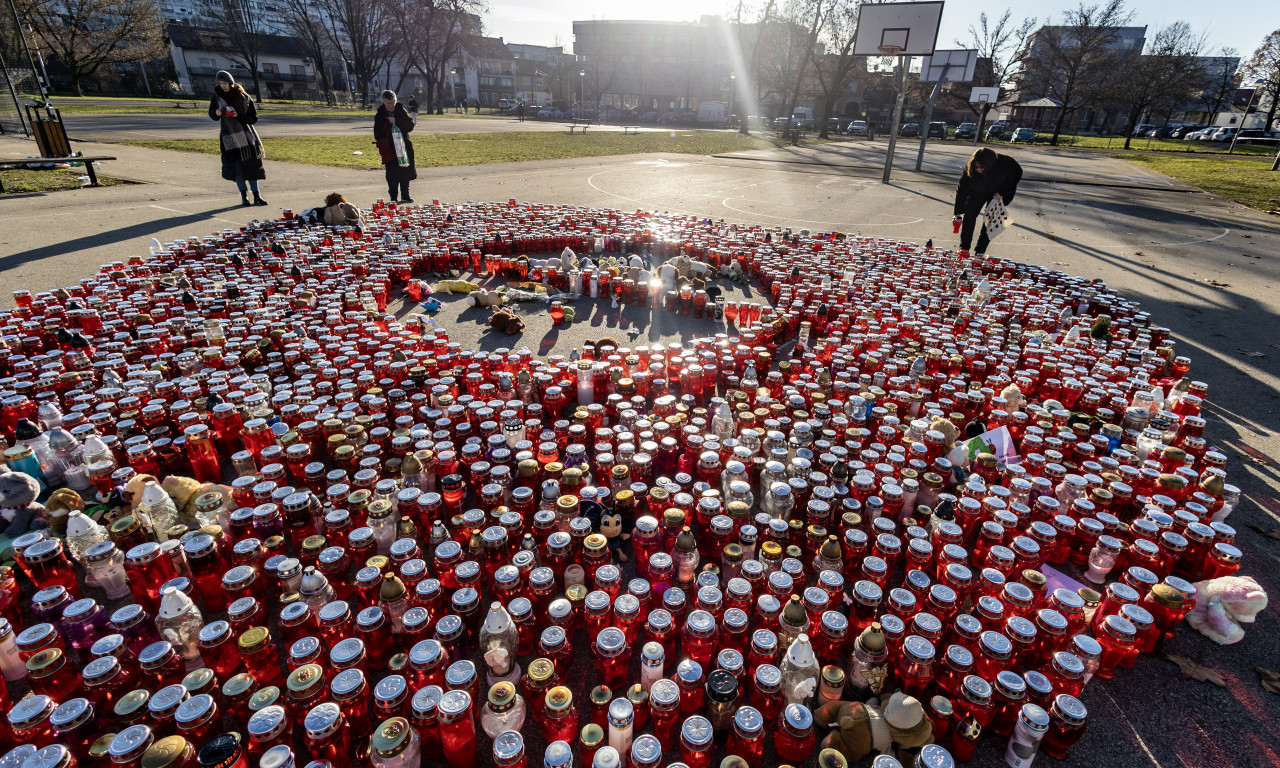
x: 984, y: 95
x: 911, y: 27
x: 958, y: 64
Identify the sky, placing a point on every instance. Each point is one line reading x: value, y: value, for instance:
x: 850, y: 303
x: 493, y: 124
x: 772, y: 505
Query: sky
x: 1239, y: 25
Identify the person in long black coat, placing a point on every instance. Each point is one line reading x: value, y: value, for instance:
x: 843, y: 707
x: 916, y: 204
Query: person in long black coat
x: 986, y: 176
x: 242, y: 152
x: 399, y: 164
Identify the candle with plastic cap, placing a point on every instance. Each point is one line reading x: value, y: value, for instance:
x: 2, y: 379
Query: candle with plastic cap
x: 499, y: 642
x: 800, y: 672
x: 179, y: 621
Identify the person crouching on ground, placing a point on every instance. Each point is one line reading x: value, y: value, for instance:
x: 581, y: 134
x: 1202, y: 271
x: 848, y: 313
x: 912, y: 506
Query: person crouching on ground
x: 339, y: 213
x: 987, y: 176
x: 242, y: 151
x: 391, y: 127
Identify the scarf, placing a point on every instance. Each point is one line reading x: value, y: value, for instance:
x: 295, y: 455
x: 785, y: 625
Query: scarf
x: 238, y: 137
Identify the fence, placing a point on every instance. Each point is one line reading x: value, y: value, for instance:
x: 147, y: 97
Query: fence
x: 16, y: 80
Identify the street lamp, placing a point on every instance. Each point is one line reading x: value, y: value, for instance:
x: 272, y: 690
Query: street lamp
x: 732, y: 79
x: 453, y: 86
x: 582, y: 99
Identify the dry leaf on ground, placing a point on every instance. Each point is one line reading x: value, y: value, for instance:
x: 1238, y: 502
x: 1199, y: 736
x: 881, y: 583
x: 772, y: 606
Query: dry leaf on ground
x: 1270, y: 678
x: 1251, y: 353
x: 1196, y: 671
x: 1270, y: 533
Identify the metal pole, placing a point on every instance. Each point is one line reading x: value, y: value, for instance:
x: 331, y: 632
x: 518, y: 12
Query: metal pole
x: 142, y: 66
x: 928, y: 115
x: 31, y: 62
x: 22, y: 118
x: 897, y: 117
x: 1276, y: 165
x: 1234, y: 136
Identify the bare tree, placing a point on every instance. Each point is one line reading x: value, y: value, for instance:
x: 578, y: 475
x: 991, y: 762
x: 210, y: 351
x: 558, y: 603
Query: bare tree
x: 86, y: 35
x: 837, y: 67
x: 1001, y: 49
x: 361, y: 32
x: 453, y: 26
x: 750, y: 80
x: 788, y: 45
x: 301, y: 18
x: 1167, y: 74
x: 1221, y: 82
x: 240, y: 30
x: 1264, y: 65
x: 1075, y: 62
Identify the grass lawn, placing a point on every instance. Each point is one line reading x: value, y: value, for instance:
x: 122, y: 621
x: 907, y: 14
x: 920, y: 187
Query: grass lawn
x: 20, y: 181
x: 436, y: 150
x: 1244, y: 181
x: 1153, y: 145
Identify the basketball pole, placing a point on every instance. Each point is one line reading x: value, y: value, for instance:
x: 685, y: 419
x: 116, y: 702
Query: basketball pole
x: 897, y: 117
x: 928, y: 114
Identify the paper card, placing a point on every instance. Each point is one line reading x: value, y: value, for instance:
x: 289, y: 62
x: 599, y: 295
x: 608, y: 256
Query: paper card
x: 998, y: 442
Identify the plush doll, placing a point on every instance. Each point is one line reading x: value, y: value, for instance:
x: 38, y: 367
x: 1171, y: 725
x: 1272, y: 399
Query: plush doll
x: 503, y: 320
x: 1223, y: 604
x: 59, y: 505
x: 899, y: 728
x: 1013, y: 395
x: 18, y: 505
x: 457, y: 286
x: 132, y: 491
x: 483, y: 298
x: 431, y: 305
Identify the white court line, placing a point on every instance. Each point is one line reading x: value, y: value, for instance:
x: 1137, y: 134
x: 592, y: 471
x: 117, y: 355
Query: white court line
x: 725, y: 203
x: 189, y: 213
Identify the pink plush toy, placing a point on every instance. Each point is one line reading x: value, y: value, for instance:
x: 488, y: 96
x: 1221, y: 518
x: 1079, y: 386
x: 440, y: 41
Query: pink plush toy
x: 1223, y: 604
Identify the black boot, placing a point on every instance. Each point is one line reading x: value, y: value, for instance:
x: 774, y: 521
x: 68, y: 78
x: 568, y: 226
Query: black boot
x: 244, y: 198
x: 257, y: 198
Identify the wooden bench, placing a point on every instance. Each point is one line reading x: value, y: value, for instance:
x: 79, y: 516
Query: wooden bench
x: 88, y: 164
x: 630, y: 129
x: 583, y: 124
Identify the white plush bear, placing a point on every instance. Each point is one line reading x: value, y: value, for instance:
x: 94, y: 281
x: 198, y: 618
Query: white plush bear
x: 1223, y: 604
x: 485, y: 298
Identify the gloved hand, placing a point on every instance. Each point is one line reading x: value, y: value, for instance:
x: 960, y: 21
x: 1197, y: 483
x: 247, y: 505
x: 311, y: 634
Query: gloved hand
x: 955, y: 224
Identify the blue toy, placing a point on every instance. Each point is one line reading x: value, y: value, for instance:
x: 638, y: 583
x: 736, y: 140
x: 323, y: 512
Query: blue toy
x: 431, y: 305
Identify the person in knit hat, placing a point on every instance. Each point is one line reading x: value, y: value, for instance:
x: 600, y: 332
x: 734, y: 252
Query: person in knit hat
x: 242, y: 152
x: 899, y: 728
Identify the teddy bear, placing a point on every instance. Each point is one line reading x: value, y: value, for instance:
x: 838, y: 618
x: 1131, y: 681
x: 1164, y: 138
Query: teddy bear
x: 1223, y: 604
x: 484, y: 298
x: 503, y: 320
x: 18, y: 505
x: 457, y: 286
x: 59, y: 505
x: 898, y: 728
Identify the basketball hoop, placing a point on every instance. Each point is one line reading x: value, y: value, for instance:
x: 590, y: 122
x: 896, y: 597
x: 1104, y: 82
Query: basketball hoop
x: 982, y: 98
x: 889, y: 50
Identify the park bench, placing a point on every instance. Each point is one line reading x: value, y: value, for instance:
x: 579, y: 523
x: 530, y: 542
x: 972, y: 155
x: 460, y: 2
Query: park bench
x: 88, y: 164
x: 630, y: 129
x: 583, y: 124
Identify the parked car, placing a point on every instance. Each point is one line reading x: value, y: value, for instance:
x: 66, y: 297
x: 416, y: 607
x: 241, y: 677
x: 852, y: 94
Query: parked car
x: 550, y: 113
x: 650, y: 117
x: 1181, y: 131
x: 1141, y: 129
x: 909, y: 129
x: 966, y: 131
x: 779, y: 123
x: 1023, y: 136
x: 937, y: 130
x: 857, y: 128
x: 1223, y: 134
x: 1258, y: 136
x: 1198, y: 134
x: 996, y: 131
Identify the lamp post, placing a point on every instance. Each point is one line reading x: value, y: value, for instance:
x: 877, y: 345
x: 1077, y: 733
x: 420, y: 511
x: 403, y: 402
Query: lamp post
x: 582, y: 99
x: 732, y: 81
x: 453, y: 86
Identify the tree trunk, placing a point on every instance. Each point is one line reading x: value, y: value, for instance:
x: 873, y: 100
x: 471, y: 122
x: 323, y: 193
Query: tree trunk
x: 75, y: 85
x: 1271, y: 113
x: 828, y: 105
x: 1130, y: 124
x: 1057, y: 125
x: 982, y: 121
x: 439, y: 85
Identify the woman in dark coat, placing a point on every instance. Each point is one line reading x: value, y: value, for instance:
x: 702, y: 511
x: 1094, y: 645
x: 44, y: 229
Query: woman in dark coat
x: 987, y: 176
x: 394, y: 146
x: 242, y: 151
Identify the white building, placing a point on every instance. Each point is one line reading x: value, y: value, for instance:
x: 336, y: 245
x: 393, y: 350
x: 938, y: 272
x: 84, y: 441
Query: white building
x: 286, y: 71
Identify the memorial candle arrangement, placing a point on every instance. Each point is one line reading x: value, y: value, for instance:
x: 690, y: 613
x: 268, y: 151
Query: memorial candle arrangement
x: 872, y: 483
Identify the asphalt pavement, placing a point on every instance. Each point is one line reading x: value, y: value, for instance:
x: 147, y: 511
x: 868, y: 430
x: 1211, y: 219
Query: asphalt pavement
x: 1205, y: 268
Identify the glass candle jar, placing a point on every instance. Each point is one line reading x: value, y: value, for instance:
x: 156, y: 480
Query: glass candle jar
x: 795, y: 740
x: 696, y: 742
x: 1066, y: 726
x: 328, y: 736
x: 458, y: 729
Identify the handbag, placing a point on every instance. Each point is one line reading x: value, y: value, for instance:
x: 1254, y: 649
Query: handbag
x: 997, y: 216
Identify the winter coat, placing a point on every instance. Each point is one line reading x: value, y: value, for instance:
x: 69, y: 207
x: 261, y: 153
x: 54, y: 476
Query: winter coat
x: 976, y: 191
x: 382, y: 122
x: 250, y: 167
